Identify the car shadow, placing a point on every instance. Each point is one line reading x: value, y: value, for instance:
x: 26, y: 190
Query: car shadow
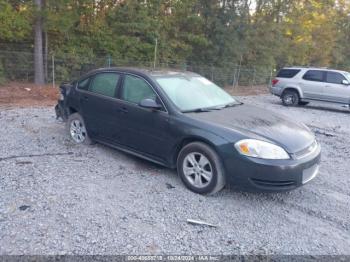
x: 138, y: 162
x: 251, y: 196
x: 330, y: 108
x: 228, y: 192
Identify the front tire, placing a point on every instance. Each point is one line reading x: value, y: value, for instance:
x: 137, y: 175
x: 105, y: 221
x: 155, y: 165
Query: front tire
x: 76, y: 129
x: 200, y: 169
x: 290, y: 98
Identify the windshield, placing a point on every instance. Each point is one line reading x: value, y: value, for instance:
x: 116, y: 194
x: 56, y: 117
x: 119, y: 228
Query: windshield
x: 194, y: 92
x: 347, y: 75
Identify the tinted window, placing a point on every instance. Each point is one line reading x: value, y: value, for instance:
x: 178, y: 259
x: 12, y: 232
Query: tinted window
x: 288, y: 73
x: 84, y: 84
x: 314, y: 75
x: 335, y: 78
x: 105, y: 84
x: 136, y: 89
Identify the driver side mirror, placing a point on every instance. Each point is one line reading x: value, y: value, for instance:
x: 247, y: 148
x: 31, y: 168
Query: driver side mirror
x: 345, y: 82
x: 150, y: 103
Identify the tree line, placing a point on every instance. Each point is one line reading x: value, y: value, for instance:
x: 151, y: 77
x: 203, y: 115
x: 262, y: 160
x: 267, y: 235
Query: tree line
x: 221, y: 33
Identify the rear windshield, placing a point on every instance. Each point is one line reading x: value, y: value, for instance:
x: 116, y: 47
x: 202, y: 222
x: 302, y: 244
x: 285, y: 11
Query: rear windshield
x: 288, y: 73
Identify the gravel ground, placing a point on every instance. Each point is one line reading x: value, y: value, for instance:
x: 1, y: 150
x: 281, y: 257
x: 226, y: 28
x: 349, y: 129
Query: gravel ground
x: 61, y: 198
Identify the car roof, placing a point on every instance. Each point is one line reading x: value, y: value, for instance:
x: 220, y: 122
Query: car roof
x: 143, y: 71
x: 315, y: 68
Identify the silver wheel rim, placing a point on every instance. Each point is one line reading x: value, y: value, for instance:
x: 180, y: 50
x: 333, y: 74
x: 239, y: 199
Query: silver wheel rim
x: 289, y: 99
x: 197, y: 170
x: 77, y: 131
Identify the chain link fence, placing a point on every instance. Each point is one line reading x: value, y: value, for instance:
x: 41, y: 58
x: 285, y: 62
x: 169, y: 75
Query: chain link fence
x: 19, y: 66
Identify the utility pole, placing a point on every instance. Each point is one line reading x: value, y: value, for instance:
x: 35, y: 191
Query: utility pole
x: 155, y: 53
x: 53, y: 71
x: 239, y: 71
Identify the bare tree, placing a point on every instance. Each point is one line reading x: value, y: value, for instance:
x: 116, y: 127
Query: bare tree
x: 39, y: 77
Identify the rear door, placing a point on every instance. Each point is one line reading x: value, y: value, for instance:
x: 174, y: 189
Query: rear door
x: 335, y: 90
x: 100, y: 106
x: 313, y: 84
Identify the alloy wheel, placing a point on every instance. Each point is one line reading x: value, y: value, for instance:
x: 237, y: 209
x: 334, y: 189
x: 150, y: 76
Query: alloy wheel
x: 197, y: 170
x: 78, y: 131
x: 289, y: 99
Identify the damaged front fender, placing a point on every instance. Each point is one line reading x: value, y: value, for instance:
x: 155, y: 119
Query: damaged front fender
x: 60, y: 111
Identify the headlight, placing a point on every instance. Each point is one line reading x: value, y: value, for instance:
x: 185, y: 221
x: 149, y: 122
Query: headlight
x: 260, y: 149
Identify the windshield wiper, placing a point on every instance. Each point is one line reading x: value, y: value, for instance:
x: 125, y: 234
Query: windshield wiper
x: 197, y: 110
x: 230, y: 105
x: 208, y: 109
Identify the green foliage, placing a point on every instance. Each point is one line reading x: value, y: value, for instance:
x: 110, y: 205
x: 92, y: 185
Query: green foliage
x: 198, y: 34
x: 14, y: 24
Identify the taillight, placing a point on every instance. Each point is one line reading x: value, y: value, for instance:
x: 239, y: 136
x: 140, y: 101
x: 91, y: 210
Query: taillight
x: 274, y: 82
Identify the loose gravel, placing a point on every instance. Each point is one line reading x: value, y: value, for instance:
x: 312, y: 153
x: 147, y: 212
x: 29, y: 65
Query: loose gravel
x: 60, y: 198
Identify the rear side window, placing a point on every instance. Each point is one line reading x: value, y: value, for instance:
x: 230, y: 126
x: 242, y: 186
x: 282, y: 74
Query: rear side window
x: 335, y: 78
x: 288, y: 73
x: 84, y: 84
x: 105, y: 84
x: 314, y: 75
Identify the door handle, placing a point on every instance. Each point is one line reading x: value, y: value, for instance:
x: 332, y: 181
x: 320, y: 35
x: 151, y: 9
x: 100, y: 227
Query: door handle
x: 124, y: 110
x: 86, y: 98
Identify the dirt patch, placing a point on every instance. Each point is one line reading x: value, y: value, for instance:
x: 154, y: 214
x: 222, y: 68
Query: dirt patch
x: 21, y: 94
x: 247, y: 90
x: 26, y: 94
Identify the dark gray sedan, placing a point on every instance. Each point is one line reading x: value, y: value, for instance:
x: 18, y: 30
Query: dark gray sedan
x: 182, y: 120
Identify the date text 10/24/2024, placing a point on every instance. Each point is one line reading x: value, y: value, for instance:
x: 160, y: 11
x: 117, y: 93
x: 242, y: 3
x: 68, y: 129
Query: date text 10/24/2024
x: 172, y: 258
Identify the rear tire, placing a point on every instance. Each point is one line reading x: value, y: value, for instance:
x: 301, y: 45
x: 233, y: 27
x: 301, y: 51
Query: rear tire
x: 200, y: 169
x: 76, y: 129
x: 290, y: 98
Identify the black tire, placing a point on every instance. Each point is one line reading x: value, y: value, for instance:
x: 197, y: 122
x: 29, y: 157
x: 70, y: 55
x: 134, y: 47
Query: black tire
x: 302, y: 103
x: 75, y: 119
x: 290, y: 98
x: 217, y: 181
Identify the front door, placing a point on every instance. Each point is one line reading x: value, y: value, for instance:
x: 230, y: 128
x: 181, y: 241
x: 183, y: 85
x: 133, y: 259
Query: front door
x: 144, y: 130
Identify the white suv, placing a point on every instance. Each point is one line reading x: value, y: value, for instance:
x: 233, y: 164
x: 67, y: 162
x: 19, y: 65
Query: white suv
x: 300, y: 85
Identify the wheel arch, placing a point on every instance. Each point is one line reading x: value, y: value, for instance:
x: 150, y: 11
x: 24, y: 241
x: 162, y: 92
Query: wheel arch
x: 294, y: 89
x: 187, y: 140
x: 71, y: 110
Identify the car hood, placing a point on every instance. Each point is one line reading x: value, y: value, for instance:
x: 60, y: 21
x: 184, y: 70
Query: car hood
x: 258, y: 123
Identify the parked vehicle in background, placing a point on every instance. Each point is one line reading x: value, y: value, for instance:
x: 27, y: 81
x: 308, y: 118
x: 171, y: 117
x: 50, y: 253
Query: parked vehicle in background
x: 182, y: 120
x: 301, y: 85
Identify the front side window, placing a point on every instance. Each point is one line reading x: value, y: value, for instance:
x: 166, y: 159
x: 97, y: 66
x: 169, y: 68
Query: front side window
x: 105, y: 84
x: 136, y: 89
x: 84, y: 84
x: 314, y: 75
x: 191, y: 92
x: 335, y: 78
